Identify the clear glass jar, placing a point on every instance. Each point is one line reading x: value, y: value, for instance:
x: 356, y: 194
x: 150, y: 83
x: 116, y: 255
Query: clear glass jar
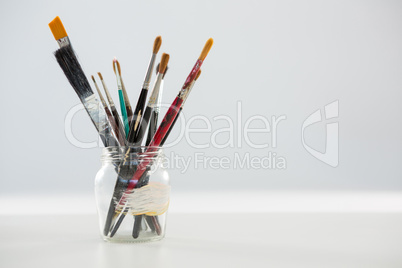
x: 132, y: 194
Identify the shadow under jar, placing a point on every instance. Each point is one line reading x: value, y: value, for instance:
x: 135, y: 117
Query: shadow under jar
x: 132, y: 193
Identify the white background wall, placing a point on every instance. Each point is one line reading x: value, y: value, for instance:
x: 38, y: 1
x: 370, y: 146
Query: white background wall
x: 275, y: 57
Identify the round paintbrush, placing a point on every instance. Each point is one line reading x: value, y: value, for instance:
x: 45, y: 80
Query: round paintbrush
x: 122, y: 98
x: 139, y: 109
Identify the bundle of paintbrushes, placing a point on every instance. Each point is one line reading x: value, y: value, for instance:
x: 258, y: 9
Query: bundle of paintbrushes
x: 126, y: 131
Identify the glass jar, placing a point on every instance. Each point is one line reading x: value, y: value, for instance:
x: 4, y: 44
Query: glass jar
x: 132, y: 193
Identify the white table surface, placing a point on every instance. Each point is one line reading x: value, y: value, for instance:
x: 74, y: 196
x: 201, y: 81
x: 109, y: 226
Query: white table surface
x: 209, y: 240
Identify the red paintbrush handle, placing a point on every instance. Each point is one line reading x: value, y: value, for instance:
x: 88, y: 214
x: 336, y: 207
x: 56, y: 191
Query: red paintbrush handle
x: 156, y: 141
x: 193, y: 73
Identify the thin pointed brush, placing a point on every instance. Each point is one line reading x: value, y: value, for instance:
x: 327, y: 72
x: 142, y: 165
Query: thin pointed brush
x: 117, y: 71
x: 68, y: 62
x: 126, y: 98
x: 109, y: 115
x: 139, y: 109
x: 164, y: 126
x: 113, y: 109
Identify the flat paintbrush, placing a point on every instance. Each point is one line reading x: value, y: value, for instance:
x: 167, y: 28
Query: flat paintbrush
x: 68, y: 62
x: 139, y: 109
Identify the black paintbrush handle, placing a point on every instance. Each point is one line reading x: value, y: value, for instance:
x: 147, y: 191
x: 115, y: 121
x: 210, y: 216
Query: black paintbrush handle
x: 171, y: 127
x: 137, y: 226
x: 153, y: 122
x: 143, y: 126
x: 139, y: 110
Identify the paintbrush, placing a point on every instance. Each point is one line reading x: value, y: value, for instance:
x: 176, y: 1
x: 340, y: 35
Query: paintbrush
x: 139, y: 109
x: 152, y: 102
x: 119, y: 135
x: 122, y: 98
x: 153, y: 121
x: 164, y: 127
x: 149, y: 112
x: 126, y: 99
x: 153, y: 221
x: 68, y: 62
x: 113, y: 109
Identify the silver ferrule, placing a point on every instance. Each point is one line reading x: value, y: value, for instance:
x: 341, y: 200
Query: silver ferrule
x: 65, y: 41
x: 159, y: 98
x: 153, y: 99
x: 118, y: 78
x: 148, y: 76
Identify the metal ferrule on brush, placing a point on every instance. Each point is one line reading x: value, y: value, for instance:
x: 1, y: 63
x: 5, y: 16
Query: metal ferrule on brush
x: 118, y: 78
x: 65, y: 41
x: 153, y: 99
x: 159, y: 98
x: 148, y: 76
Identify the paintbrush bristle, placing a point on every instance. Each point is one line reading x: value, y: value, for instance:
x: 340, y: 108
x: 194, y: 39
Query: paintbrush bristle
x: 157, y: 44
x: 198, y: 75
x: 72, y: 69
x: 116, y: 63
x: 164, y: 62
x: 206, y: 49
x: 93, y: 79
x: 157, y: 70
x: 100, y: 76
x: 57, y: 28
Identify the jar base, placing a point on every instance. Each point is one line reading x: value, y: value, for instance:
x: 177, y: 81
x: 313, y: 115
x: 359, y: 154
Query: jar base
x: 129, y: 240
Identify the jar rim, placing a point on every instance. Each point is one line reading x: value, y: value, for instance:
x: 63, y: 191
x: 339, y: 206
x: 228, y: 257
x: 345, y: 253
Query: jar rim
x: 117, y: 153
